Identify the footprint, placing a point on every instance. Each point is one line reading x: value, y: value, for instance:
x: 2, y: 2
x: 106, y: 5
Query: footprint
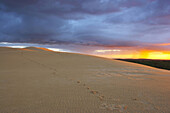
x: 78, y: 82
x: 94, y: 92
x: 114, y: 107
x: 135, y: 99
x: 54, y: 73
x: 101, y: 97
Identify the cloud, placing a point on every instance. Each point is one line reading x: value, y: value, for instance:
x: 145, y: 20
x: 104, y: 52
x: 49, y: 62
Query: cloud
x: 107, y: 23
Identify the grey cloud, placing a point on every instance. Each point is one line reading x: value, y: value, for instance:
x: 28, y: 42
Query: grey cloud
x: 86, y: 22
x: 152, y: 12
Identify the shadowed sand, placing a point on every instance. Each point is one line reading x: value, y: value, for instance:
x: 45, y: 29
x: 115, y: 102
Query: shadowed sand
x: 34, y: 80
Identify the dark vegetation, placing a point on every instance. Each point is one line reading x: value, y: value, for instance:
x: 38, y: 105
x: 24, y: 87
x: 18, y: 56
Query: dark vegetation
x: 162, y: 64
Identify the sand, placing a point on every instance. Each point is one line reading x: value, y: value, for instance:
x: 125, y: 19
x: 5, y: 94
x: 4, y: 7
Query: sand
x: 34, y: 80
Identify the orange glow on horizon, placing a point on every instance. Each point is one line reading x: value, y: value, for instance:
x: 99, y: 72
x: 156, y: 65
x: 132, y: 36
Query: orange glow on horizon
x: 143, y: 54
x: 152, y: 54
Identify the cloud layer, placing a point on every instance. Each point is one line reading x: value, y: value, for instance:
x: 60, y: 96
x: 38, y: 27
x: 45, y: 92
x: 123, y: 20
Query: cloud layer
x: 108, y: 23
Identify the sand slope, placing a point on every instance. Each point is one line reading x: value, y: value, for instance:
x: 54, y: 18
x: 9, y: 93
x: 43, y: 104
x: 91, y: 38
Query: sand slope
x: 37, y: 81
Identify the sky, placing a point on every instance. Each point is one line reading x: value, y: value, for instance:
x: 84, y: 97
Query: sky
x: 108, y: 28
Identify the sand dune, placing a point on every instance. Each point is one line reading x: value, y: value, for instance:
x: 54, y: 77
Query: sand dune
x: 34, y: 80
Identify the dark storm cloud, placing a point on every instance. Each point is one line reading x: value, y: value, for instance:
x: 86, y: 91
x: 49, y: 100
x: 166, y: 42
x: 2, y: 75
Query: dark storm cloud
x: 152, y: 12
x: 86, y: 22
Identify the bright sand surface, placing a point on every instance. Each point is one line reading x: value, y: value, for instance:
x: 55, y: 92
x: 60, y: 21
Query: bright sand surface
x: 34, y: 80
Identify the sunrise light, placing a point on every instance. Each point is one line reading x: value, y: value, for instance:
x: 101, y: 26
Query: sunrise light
x: 138, y: 54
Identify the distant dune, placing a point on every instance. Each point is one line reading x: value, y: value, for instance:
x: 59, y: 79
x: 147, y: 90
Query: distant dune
x: 162, y: 64
x: 35, y: 80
